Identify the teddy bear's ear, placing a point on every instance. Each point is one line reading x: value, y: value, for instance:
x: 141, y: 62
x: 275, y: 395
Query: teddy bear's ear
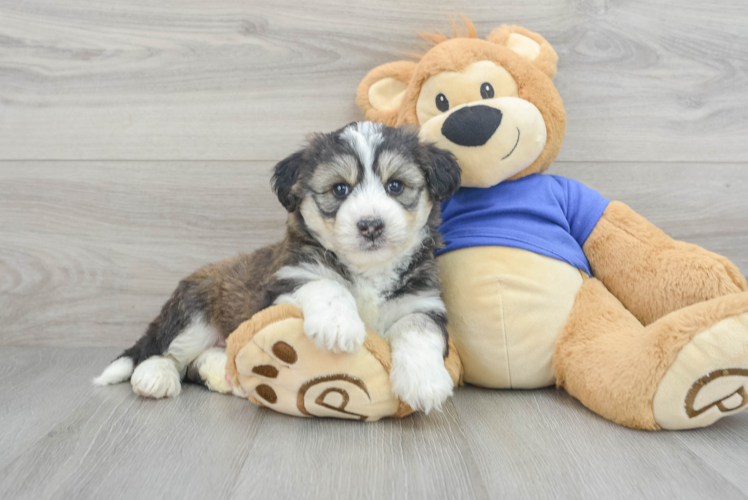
x: 527, y: 44
x: 381, y: 92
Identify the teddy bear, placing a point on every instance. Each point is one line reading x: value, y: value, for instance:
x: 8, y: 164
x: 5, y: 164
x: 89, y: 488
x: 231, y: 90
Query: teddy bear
x: 544, y: 280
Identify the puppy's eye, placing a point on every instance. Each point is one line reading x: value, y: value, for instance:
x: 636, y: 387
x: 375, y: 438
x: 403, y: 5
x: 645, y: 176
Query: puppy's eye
x: 341, y: 190
x: 442, y: 104
x: 395, y: 187
x: 486, y: 90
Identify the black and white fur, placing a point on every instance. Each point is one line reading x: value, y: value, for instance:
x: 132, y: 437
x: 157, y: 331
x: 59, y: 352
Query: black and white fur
x: 353, y: 257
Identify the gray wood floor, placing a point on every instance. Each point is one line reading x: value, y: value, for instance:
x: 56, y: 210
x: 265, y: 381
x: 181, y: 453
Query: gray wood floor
x: 136, y: 140
x: 63, y: 438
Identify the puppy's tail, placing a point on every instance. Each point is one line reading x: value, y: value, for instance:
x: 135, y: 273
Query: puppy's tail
x: 118, y: 371
x: 121, y: 368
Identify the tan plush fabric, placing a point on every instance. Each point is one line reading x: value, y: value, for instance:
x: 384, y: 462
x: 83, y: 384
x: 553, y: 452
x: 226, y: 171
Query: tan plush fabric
x: 651, y: 273
x: 532, y: 84
x: 532, y: 80
x: 386, y: 94
x: 276, y: 365
x: 242, y: 335
x: 710, y: 374
x: 312, y: 382
x: 547, y: 59
x: 506, y: 308
x: 464, y: 87
x: 664, y: 317
x: 504, y: 155
x: 613, y: 364
x: 399, y: 70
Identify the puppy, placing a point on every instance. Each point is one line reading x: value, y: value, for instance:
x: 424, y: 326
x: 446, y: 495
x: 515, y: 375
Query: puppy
x: 363, y: 207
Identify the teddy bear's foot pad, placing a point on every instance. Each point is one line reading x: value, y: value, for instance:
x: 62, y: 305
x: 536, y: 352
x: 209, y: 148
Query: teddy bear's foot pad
x: 708, y: 380
x: 282, y: 369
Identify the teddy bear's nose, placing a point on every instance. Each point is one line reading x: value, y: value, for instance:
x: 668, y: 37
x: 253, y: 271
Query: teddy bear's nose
x: 472, y: 125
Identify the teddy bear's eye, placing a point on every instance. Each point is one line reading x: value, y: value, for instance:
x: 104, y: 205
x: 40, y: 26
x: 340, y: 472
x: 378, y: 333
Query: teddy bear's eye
x: 442, y: 104
x: 486, y: 91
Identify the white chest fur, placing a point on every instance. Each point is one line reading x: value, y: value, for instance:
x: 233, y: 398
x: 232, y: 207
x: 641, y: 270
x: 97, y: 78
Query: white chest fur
x: 370, y: 293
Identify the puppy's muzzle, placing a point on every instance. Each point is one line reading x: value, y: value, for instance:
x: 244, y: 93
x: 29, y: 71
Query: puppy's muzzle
x: 371, y: 229
x: 472, y: 125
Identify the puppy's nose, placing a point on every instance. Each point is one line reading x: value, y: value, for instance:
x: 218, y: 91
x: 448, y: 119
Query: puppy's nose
x: 472, y: 125
x: 370, y: 228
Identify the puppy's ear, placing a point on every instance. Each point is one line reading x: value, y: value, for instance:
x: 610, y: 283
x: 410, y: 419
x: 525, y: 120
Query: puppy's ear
x: 442, y: 172
x: 285, y: 175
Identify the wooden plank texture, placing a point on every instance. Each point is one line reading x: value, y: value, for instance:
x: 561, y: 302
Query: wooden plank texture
x: 117, y: 445
x: 108, y: 443
x: 91, y: 250
x: 545, y: 444
x: 39, y: 388
x: 230, y: 79
x: 136, y: 142
x: 422, y: 457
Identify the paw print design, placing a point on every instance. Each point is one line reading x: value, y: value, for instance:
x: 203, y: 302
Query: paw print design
x: 730, y: 401
x: 276, y: 365
x: 708, y: 379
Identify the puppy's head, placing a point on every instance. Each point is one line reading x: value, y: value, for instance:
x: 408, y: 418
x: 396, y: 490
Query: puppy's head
x: 366, y: 191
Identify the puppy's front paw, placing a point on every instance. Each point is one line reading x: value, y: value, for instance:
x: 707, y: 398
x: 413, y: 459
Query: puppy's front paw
x: 335, y: 327
x: 420, y: 381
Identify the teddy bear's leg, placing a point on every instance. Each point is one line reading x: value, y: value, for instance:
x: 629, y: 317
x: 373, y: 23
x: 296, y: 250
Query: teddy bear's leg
x: 651, y: 273
x: 688, y: 369
x: 276, y: 365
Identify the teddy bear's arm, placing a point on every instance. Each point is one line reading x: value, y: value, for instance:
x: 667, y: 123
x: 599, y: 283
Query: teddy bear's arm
x: 651, y: 273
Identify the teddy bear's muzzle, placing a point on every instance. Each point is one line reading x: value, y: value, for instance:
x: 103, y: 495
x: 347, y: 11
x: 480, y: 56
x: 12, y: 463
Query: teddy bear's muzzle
x: 492, y: 139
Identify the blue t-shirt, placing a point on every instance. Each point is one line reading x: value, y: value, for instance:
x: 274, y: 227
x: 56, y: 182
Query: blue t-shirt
x: 546, y: 214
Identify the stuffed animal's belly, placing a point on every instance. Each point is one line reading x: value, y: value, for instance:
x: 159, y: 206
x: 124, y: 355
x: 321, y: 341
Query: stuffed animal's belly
x: 506, y: 308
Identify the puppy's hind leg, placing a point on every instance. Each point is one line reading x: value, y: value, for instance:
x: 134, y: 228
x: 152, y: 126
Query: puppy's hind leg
x: 180, y: 333
x: 160, y: 376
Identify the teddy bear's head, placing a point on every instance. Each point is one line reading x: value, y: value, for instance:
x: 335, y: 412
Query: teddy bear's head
x: 491, y: 102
